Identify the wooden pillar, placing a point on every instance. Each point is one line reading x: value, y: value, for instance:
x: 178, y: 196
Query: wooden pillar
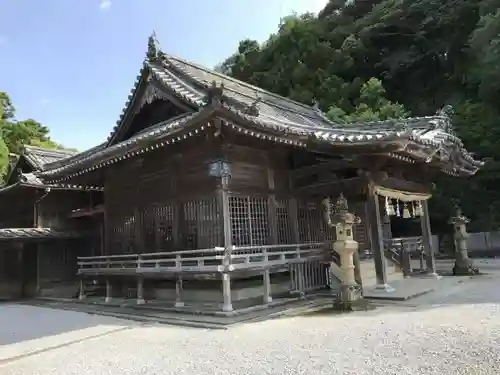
x: 228, y: 243
x: 267, y: 287
x: 271, y: 204
x: 376, y: 240
x: 427, y: 240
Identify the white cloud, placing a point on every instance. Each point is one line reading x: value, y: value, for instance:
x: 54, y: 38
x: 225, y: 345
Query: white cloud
x: 44, y: 101
x: 105, y: 4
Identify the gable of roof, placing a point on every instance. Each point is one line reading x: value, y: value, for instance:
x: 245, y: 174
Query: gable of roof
x: 38, y: 157
x: 191, y: 83
x: 33, y: 159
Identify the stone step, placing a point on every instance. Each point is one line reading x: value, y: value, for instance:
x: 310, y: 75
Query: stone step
x: 154, y: 315
x: 130, y: 314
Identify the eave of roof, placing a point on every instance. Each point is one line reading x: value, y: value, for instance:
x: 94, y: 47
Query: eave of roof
x: 31, y: 180
x: 38, y: 234
x: 75, y: 157
x: 187, y: 125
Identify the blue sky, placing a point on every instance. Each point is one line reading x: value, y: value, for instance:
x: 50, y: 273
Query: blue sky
x: 70, y: 64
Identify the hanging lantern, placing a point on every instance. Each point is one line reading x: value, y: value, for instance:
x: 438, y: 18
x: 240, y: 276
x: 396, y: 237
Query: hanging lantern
x: 398, y: 212
x: 418, y: 209
x: 406, y: 211
x: 389, y: 208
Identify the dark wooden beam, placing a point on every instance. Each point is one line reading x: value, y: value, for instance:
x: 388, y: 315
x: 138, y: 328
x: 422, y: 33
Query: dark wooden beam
x: 82, y: 212
x: 332, y: 165
x: 348, y: 186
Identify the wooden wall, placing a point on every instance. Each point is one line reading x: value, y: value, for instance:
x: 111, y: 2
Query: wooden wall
x: 164, y: 200
x: 54, y: 208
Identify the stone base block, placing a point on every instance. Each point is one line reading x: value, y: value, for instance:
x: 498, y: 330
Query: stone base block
x: 350, y: 298
x: 465, y: 268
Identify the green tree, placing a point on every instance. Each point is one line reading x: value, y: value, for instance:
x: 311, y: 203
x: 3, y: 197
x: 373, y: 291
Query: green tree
x: 4, y: 151
x: 26, y: 132
x: 370, y: 106
x: 15, y: 134
x: 376, y: 59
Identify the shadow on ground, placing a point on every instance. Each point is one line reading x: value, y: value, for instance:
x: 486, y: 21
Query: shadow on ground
x: 19, y: 322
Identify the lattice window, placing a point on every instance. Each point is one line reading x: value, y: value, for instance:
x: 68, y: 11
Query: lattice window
x: 283, y: 222
x: 148, y: 226
x: 249, y: 217
x: 165, y: 224
x: 122, y: 230
x: 312, y: 226
x: 129, y: 235
x: 190, y: 225
x: 201, y: 227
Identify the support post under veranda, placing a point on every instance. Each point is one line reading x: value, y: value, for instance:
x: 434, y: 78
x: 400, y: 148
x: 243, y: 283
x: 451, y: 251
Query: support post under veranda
x: 81, y: 291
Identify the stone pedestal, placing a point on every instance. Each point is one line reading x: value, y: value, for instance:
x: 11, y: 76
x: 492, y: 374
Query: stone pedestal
x: 463, y: 264
x: 350, y: 295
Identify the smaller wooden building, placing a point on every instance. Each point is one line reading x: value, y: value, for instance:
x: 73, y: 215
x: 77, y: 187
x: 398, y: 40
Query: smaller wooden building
x: 212, y: 189
x: 40, y: 235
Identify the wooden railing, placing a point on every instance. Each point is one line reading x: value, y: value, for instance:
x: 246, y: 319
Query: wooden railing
x: 205, y: 260
x: 400, y: 250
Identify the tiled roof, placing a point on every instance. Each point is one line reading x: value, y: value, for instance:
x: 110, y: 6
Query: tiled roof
x: 38, y: 156
x: 30, y: 179
x: 37, y: 233
x: 261, y: 111
x: 75, y: 157
x: 103, y: 154
x: 190, y: 83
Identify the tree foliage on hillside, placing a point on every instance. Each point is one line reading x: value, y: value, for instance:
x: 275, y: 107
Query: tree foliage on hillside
x: 14, y: 134
x: 375, y: 59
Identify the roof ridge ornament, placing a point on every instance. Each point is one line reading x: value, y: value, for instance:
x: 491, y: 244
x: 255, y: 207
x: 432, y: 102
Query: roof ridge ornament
x: 154, y: 52
x: 253, y: 108
x: 215, y: 94
x: 447, y: 112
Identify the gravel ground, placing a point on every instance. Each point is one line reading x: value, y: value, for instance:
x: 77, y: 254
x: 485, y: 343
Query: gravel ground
x: 460, y: 336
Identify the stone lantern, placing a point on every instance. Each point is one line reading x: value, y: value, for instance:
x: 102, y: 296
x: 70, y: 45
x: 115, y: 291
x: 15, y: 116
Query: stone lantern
x: 463, y: 264
x: 338, y: 216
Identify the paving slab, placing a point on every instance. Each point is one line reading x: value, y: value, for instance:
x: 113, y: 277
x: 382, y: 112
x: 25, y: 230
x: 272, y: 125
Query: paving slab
x: 405, y: 289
